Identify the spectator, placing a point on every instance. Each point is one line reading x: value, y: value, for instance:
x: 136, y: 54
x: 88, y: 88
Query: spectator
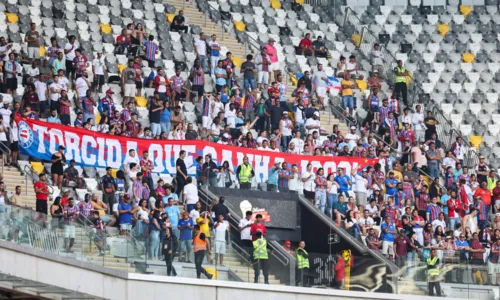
x: 229, y: 66
x: 347, y: 93
x: 197, y: 77
x: 200, y: 46
x: 306, y: 46
x: 388, y: 231
x: 179, y: 90
x: 319, y: 47
x: 353, y: 69
x: 71, y: 214
x: 100, y: 72
x: 32, y: 38
x: 264, y: 67
x: 12, y: 69
x: 80, y: 62
x: 178, y: 23
x: 214, y: 53
x: 185, y: 226
x: 128, y: 83
x: 173, y: 212
x: 151, y: 49
x: 273, y: 57
x: 401, y: 243
x: 221, y: 76
x: 248, y: 69
x: 59, y: 63
x: 220, y: 229
x: 377, y: 59
x: 400, y: 88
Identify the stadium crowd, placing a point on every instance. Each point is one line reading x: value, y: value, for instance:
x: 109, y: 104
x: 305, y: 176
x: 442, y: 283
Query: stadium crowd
x: 418, y: 197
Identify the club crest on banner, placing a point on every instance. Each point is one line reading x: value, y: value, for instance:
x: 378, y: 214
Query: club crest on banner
x: 25, y: 135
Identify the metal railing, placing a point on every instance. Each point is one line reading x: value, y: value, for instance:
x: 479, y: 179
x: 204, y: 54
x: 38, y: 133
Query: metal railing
x: 29, y: 172
x: 447, y: 133
x: 223, y: 19
x: 43, y: 238
x: 6, y: 152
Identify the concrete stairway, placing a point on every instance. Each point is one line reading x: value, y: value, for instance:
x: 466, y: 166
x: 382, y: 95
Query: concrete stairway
x: 12, y: 177
x: 244, y: 271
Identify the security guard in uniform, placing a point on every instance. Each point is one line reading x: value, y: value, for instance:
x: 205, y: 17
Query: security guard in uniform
x: 200, y: 245
x: 260, y: 258
x: 302, y: 262
x: 245, y: 173
x: 433, y: 274
x: 400, y: 87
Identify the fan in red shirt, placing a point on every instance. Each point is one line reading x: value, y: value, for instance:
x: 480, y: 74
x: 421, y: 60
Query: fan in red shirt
x: 464, y: 198
x: 484, y: 193
x: 306, y: 47
x: 42, y: 194
x: 274, y: 92
x: 257, y: 227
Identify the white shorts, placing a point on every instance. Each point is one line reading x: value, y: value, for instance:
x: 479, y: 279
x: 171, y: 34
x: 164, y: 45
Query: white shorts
x: 263, y: 77
x: 34, y: 52
x: 129, y: 90
x: 321, y: 91
x: 493, y: 269
x: 220, y: 247
x: 69, y: 231
x: 275, y: 66
x: 126, y: 227
x: 207, y: 122
x: 388, y: 248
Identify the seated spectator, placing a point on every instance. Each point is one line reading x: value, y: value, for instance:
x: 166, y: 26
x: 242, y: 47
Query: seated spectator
x: 319, y: 47
x: 178, y: 23
x: 377, y: 59
x: 341, y: 67
x: 352, y: 68
x: 306, y: 46
x: 122, y: 42
x: 375, y: 81
x: 71, y: 175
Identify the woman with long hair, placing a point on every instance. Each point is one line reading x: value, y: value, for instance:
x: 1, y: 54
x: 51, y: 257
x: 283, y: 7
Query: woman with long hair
x: 332, y: 196
x: 351, y: 225
x: 320, y: 194
x: 140, y: 33
x: 103, y: 124
x: 155, y: 234
x: 56, y: 211
x: 224, y: 177
x: 141, y: 215
x: 251, y: 142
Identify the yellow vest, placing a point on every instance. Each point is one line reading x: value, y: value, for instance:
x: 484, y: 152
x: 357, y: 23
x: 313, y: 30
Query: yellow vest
x: 400, y: 78
x: 245, y: 172
x: 302, y: 262
x: 260, y: 249
x: 491, y: 183
x: 432, y: 262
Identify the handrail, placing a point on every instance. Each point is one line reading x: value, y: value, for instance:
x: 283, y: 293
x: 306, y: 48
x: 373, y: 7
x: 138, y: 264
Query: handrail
x: 5, y: 149
x: 28, y: 170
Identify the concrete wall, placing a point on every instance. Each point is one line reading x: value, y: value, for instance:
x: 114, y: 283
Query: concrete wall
x: 111, y: 284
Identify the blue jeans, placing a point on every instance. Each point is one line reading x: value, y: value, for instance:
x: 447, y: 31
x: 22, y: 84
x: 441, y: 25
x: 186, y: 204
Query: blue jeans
x: 155, y: 129
x: 331, y: 200
x: 165, y: 127
x: 285, y: 140
x: 348, y: 102
x: 320, y: 200
x: 453, y: 222
x: 433, y: 171
x: 213, y: 64
x: 176, y: 231
x: 302, y: 129
x: 203, y: 61
x: 190, y: 207
x: 155, y: 242
x: 248, y: 83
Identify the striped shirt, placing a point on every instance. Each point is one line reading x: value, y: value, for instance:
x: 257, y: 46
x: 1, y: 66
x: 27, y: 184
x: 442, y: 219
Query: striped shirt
x: 407, y: 188
x: 448, y: 180
x: 433, y: 211
x: 391, y: 211
x: 374, y: 103
x: 86, y: 208
x: 177, y: 83
x: 151, y: 49
x: 137, y: 186
x: 80, y: 64
x: 392, y: 124
x: 206, y: 107
x: 64, y: 109
x: 321, y: 187
x: 71, y: 214
x: 283, y: 182
x: 393, y: 105
x: 383, y: 114
x: 125, y: 115
x: 198, y: 76
x: 250, y: 101
x: 88, y: 105
x: 422, y: 201
x: 483, y: 212
x: 147, y: 163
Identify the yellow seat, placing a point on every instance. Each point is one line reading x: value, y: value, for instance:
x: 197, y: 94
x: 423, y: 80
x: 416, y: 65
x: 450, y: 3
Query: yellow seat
x: 12, y: 18
x: 301, y: 2
x: 105, y: 28
x: 465, y: 10
x: 240, y: 26
x: 356, y: 39
x: 275, y: 4
x: 141, y: 101
x: 170, y: 17
x: 443, y: 29
x: 121, y: 67
x: 468, y: 57
x: 212, y: 271
x: 113, y: 172
x: 476, y: 141
x: 409, y: 78
x: 42, y: 51
x: 37, y: 167
x: 237, y: 61
x: 293, y: 79
x: 362, y: 85
x: 97, y: 117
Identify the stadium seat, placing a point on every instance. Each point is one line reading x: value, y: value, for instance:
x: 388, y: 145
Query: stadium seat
x: 38, y: 167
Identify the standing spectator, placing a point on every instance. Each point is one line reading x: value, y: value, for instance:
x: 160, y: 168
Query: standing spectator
x: 245, y: 174
x: 493, y: 263
x: 401, y: 246
x: 42, y: 194
x: 180, y: 91
x: 42, y: 92
x: 320, y: 194
x: 377, y: 59
x: 263, y: 63
x: 128, y: 83
x: 57, y: 169
x: 181, y: 175
x: 80, y: 62
x: 244, y: 229
x: 273, y: 57
x: 400, y: 88
x: 214, y: 53
x: 125, y: 214
x: 190, y: 194
x: 221, y: 209
x: 169, y: 248
x: 248, y: 69
x: 221, y: 76
x: 99, y: 71
x: 200, y: 46
x: 32, y: 38
x: 321, y: 80
x: 88, y: 104
x: 308, y: 179
x: 476, y: 254
x: 482, y: 170
x: 347, y: 93
x: 433, y: 156
x: 108, y: 187
x: 69, y: 52
x: 388, y: 231
x: 12, y: 68
x: 132, y: 127
x: 220, y: 228
x: 59, y: 63
x: 151, y: 49
x: 339, y: 270
x: 284, y: 175
x: 185, y: 226
x: 178, y: 23
x: 197, y: 77
x: 155, y: 107
x: 433, y: 211
x: 71, y: 214
x: 201, y: 246
x: 71, y: 176
x: 306, y: 47
x: 353, y: 69
x: 229, y: 66
x: 86, y: 206
x: 174, y: 214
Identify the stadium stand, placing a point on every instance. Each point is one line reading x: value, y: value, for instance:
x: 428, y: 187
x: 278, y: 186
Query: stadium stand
x: 412, y: 86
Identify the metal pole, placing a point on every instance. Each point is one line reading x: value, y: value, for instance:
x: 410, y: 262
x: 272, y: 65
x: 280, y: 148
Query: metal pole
x: 222, y: 28
x: 345, y: 16
x: 183, y: 4
x: 206, y: 13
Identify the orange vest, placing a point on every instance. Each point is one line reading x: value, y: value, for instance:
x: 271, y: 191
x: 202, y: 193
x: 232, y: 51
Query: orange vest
x: 199, y: 244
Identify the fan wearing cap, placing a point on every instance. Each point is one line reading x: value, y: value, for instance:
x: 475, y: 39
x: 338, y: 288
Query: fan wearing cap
x: 288, y: 247
x: 99, y: 71
x: 106, y: 105
x: 313, y: 124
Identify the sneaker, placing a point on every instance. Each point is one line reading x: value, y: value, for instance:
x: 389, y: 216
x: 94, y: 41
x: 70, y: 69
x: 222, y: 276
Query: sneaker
x: 102, y: 254
x: 209, y: 276
x: 189, y: 262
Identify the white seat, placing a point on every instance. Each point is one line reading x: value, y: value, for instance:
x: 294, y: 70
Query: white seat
x: 496, y: 118
x: 475, y: 108
x: 455, y: 87
x: 446, y: 76
x: 429, y: 28
x: 489, y: 140
x: 493, y: 67
x: 476, y: 37
x: 466, y: 67
x: 494, y: 129
x: 438, y: 67
x: 492, y: 97
x: 492, y: 9
x: 427, y: 87
x: 495, y: 19
x: 458, y: 19
x: 433, y: 19
x: 410, y: 38
x: 416, y: 28
x: 402, y: 56
x: 470, y: 87
x: 433, y: 47
x: 484, y: 18
x: 406, y: 19
x: 380, y: 19
x: 488, y: 47
x: 447, y: 108
x: 237, y: 17
x: 385, y: 10
x: 428, y: 57
x: 473, y: 76
x: 433, y: 77
x: 466, y: 129
x: 390, y: 28
x: 474, y: 47
x: 456, y: 119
